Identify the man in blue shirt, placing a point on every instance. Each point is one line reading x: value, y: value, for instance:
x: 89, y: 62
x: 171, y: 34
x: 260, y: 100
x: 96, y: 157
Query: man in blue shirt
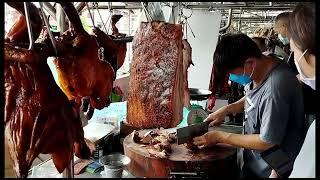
x: 273, y: 105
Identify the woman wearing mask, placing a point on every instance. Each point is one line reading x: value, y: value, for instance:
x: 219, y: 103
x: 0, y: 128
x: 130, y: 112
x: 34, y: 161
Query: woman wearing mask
x: 302, y: 42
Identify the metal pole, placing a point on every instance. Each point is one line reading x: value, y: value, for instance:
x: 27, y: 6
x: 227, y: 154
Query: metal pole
x: 129, y: 34
x: 69, y: 171
x: 26, y: 9
x: 101, y: 18
x: 216, y: 6
x: 149, y: 18
x: 228, y: 22
x: 48, y: 28
x: 61, y: 19
x: 239, y: 27
x: 173, y: 13
x: 80, y: 6
x: 90, y: 15
x: 50, y: 9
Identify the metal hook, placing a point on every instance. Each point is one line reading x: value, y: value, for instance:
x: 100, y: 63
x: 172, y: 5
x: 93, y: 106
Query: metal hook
x: 190, y: 29
x: 48, y: 28
x: 96, y: 6
x: 184, y: 15
x: 107, y: 31
x: 110, y: 15
x: 172, y: 13
x: 110, y: 5
x: 90, y: 14
x: 146, y: 12
x: 186, y: 29
x: 26, y: 9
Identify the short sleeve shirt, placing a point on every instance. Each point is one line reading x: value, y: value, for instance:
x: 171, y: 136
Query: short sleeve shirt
x: 274, y: 110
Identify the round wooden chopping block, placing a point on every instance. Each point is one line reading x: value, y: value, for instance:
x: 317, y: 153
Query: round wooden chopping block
x: 216, y: 161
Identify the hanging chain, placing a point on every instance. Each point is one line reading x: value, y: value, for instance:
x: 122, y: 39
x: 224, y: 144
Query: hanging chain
x: 101, y: 53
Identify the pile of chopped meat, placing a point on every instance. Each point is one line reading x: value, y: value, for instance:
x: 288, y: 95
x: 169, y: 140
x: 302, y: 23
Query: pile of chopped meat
x: 190, y: 146
x: 158, y: 143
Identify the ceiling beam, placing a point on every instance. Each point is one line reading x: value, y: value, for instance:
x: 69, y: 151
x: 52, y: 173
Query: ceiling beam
x: 215, y: 6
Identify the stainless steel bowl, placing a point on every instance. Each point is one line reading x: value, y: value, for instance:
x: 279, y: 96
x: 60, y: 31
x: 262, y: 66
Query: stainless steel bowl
x: 115, y: 161
x: 114, y: 164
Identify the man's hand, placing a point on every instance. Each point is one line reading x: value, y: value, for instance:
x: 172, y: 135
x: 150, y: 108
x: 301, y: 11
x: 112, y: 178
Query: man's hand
x: 217, y: 117
x: 208, y: 139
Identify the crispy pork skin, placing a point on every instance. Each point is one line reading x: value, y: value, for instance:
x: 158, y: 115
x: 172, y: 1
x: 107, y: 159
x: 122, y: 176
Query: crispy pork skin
x: 187, y: 61
x: 155, y: 97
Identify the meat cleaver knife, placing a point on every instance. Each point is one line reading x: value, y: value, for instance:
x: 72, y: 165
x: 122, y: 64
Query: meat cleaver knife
x: 187, y: 133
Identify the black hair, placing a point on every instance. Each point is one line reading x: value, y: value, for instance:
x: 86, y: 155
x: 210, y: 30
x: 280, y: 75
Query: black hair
x: 261, y: 42
x: 232, y: 50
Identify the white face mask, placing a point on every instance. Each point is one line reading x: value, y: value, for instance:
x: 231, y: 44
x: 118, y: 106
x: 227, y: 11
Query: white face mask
x: 308, y: 81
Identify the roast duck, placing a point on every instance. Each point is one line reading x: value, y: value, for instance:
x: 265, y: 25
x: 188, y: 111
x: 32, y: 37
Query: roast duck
x: 40, y: 116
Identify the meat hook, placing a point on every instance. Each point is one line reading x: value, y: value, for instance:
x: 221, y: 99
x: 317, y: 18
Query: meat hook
x: 96, y: 6
x: 90, y: 14
x: 26, y: 9
x: 48, y: 28
x: 146, y: 12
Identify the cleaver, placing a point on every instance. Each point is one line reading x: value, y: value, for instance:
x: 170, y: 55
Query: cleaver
x: 187, y: 133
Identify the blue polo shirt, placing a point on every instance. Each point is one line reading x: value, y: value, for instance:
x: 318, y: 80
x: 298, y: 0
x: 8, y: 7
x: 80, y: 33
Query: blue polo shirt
x: 274, y: 110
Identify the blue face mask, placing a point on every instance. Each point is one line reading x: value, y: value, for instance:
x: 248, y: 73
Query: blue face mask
x: 242, y: 79
x: 284, y: 40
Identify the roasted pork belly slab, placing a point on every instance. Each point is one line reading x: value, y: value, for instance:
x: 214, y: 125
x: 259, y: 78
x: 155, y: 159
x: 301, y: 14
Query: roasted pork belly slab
x: 155, y: 97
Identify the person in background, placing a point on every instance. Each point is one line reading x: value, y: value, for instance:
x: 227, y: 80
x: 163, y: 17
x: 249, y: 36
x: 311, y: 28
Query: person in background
x: 260, y: 41
x: 281, y: 26
x: 272, y: 105
x: 260, y: 36
x: 302, y: 43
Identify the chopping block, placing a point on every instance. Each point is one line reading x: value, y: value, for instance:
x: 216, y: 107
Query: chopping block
x: 216, y: 161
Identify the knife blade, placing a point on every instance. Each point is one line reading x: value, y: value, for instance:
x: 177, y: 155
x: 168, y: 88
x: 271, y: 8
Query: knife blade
x: 184, y: 134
